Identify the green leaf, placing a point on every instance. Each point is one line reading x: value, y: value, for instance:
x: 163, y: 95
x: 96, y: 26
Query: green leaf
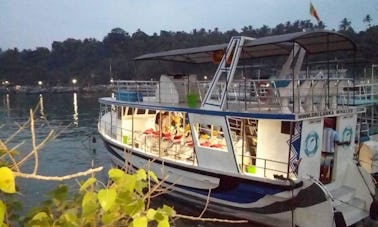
x: 107, y: 198
x: 124, y: 198
x: 87, y: 183
x: 140, y: 186
x: 69, y: 219
x: 140, y: 222
x: 141, y: 174
x: 159, y: 216
x: 116, y: 174
x: 134, y: 207
x: 88, y: 203
x: 153, y: 176
x: 7, y: 182
x: 163, y: 223
x: 109, y: 217
x: 151, y: 214
x: 2, y: 212
x: 40, y: 219
x: 130, y: 182
x: 40, y: 216
x: 169, y: 211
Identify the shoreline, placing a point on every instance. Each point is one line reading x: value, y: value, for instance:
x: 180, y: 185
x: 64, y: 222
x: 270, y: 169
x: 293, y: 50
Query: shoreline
x: 56, y: 89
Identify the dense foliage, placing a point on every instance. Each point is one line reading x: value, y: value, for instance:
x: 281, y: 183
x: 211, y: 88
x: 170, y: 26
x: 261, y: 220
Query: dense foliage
x: 95, y: 62
x: 124, y: 202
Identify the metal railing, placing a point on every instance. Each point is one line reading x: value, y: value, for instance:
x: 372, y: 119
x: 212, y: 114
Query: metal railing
x: 290, y: 96
x: 267, y: 167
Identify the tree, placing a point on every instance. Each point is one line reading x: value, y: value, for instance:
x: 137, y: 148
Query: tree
x: 369, y: 43
x: 263, y: 31
x: 367, y: 20
x: 116, y: 42
x: 345, y: 25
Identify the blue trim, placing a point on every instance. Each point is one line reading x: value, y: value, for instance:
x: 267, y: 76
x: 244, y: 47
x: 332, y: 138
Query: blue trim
x: 275, y: 116
x: 242, y: 193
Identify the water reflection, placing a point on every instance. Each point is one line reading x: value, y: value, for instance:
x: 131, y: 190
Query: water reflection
x: 75, y: 112
x: 6, y: 104
x: 41, y: 106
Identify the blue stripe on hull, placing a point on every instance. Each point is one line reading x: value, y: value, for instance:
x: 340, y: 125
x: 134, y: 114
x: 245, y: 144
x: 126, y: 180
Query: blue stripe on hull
x: 242, y: 193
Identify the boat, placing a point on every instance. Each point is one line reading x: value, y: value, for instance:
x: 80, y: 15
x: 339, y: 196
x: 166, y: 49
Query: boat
x: 242, y: 146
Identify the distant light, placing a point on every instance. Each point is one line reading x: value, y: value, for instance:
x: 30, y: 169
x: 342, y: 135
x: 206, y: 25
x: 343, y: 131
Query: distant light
x: 40, y: 83
x: 5, y: 82
x: 74, y: 81
x: 205, y: 77
x: 111, y: 80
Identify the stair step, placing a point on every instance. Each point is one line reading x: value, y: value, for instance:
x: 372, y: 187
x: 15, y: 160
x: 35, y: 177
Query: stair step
x: 353, y: 211
x: 343, y: 193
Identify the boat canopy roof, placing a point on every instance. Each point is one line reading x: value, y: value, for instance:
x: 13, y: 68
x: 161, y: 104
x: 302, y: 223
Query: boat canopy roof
x: 312, y: 41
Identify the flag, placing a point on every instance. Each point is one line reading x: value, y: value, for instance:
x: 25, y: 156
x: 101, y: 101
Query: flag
x: 313, y: 12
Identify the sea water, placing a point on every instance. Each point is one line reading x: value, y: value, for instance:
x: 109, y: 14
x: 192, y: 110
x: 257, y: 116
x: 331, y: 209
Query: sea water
x: 76, y: 148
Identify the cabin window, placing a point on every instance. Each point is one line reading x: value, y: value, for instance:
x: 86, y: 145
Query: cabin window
x: 165, y: 134
x: 119, y: 112
x: 244, y: 140
x: 151, y: 111
x: 129, y: 111
x: 140, y: 111
x: 285, y: 127
x: 211, y: 136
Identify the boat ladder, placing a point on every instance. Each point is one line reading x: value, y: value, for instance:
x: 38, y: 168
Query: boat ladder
x: 223, y: 77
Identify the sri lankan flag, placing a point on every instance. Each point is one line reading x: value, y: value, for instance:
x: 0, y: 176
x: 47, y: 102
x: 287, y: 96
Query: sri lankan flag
x: 313, y: 12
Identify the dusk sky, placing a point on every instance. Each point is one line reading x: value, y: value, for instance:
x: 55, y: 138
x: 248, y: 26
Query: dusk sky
x: 27, y: 24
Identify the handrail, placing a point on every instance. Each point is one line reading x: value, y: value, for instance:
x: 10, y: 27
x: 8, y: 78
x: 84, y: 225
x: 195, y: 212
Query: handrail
x: 266, y: 167
x: 264, y: 95
x: 322, y: 186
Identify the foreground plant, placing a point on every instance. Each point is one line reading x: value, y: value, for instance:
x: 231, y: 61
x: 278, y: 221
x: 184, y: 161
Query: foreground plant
x: 124, y: 202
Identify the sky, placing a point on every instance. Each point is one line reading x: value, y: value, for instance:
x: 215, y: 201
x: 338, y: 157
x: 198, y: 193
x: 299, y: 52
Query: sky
x: 28, y: 24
